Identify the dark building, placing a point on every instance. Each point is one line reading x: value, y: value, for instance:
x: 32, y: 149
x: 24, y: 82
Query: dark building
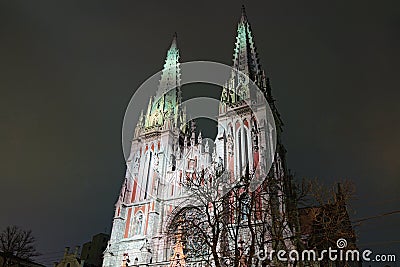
x: 92, y: 251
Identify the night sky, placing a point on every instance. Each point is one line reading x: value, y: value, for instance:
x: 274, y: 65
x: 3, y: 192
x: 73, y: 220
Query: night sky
x: 68, y: 70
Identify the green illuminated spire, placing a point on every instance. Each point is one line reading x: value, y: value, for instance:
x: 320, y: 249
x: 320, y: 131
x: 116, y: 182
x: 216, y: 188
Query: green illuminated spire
x: 166, y: 104
x: 245, y: 58
x: 170, y: 77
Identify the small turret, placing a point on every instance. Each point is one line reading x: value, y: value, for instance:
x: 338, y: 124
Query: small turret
x: 193, y: 133
x: 139, y: 125
x: 200, y: 139
x: 207, y: 147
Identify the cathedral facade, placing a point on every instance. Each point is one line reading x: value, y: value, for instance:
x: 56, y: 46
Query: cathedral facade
x: 166, y: 150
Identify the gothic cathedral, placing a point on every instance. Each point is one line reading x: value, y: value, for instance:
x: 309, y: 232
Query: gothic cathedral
x: 165, y: 146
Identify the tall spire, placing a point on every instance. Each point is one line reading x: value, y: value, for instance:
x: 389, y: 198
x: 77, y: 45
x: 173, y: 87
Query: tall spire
x: 245, y: 58
x: 170, y: 77
x: 166, y: 104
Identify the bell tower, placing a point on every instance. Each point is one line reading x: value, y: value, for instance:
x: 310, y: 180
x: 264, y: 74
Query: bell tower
x: 138, y: 210
x: 245, y: 138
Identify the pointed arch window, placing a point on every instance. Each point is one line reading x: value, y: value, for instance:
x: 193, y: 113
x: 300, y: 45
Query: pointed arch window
x: 246, y: 148
x: 148, y: 165
x: 240, y: 159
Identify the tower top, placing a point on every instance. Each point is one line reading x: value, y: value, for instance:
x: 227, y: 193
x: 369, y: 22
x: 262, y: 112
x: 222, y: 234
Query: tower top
x: 245, y: 61
x: 166, y: 103
x: 170, y: 76
x: 245, y: 58
x: 244, y: 16
x: 174, y: 43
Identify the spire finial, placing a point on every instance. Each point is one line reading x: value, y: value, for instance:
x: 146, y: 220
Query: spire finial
x: 244, y: 16
x: 174, y: 43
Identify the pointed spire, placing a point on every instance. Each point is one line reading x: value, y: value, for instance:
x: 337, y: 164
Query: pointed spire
x: 214, y: 154
x: 170, y: 77
x: 244, y: 16
x: 139, y: 125
x: 174, y: 43
x: 200, y: 139
x: 207, y: 147
x: 148, y: 113
x: 245, y: 60
x: 140, y: 121
x: 193, y: 133
x: 245, y: 56
x: 165, y: 107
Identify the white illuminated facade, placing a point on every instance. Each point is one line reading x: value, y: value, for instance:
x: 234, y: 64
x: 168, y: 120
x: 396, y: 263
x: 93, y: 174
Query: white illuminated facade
x: 165, y: 150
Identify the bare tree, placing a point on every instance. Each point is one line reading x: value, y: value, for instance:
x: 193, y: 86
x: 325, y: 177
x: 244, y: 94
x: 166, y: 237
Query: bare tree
x: 17, y: 243
x: 332, y: 218
x: 228, y: 225
x: 325, y: 216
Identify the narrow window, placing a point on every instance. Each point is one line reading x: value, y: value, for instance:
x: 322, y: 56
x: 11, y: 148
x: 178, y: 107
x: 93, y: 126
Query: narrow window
x: 148, y: 175
x: 240, y: 150
x: 246, y: 149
